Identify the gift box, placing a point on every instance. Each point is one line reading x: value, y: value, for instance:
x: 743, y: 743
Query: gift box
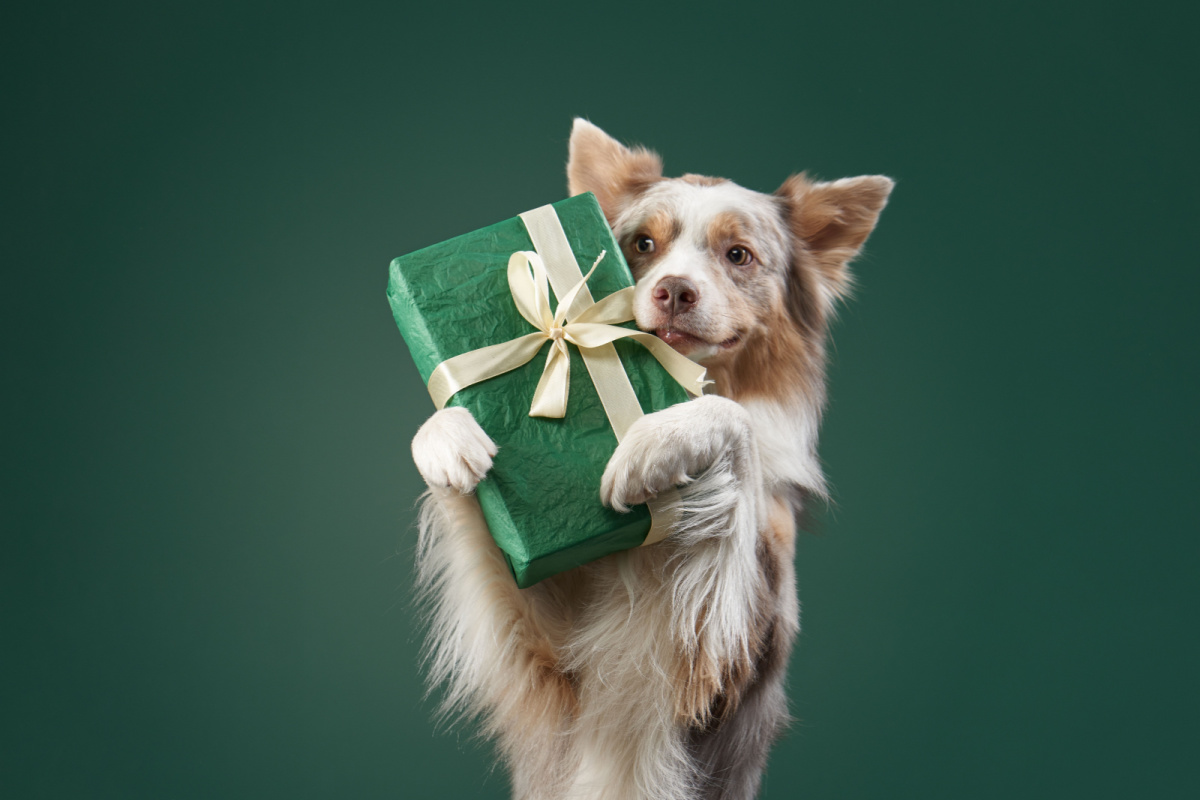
x: 553, y: 383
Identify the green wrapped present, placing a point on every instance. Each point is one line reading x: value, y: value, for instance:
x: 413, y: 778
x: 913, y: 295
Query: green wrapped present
x: 478, y: 311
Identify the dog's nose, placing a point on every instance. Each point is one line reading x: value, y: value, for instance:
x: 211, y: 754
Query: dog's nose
x: 675, y: 295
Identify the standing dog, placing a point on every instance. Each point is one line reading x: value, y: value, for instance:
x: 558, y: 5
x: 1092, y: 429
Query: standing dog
x: 658, y: 672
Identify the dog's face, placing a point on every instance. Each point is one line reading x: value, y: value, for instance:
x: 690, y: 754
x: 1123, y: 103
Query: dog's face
x: 723, y: 271
x: 709, y: 258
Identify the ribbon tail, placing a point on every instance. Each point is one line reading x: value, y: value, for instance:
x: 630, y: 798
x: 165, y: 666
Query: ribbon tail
x: 568, y: 300
x: 550, y: 397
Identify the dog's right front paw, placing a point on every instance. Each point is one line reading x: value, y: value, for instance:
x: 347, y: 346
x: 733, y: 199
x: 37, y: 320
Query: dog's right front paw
x: 452, y: 451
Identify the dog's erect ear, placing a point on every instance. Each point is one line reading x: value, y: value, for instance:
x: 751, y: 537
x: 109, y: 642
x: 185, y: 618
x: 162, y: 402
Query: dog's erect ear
x: 834, y: 219
x: 602, y: 165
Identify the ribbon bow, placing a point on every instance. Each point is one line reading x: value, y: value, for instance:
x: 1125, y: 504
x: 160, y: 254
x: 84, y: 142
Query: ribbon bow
x: 592, y: 325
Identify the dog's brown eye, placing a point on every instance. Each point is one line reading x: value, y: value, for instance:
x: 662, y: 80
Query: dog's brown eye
x: 643, y: 244
x: 739, y: 256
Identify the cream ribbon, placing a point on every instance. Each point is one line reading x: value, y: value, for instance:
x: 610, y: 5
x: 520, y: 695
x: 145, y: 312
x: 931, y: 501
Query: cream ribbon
x: 589, y: 325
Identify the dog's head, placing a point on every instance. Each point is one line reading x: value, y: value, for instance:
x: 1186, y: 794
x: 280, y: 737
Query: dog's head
x: 740, y: 281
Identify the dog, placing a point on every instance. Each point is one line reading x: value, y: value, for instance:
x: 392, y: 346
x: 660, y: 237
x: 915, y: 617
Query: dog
x: 659, y: 672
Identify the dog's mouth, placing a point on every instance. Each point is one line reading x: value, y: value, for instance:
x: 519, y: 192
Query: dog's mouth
x: 687, y: 343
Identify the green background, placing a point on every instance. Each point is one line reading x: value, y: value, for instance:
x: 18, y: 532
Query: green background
x: 208, y: 495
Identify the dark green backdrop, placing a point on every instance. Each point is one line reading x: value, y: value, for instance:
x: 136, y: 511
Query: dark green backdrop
x: 208, y: 494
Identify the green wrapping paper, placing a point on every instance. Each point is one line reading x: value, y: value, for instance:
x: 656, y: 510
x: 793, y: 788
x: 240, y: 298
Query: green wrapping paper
x: 541, y: 499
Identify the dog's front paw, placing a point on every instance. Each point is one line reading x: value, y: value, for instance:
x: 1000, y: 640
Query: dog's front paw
x: 670, y: 447
x: 452, y: 451
x: 640, y: 469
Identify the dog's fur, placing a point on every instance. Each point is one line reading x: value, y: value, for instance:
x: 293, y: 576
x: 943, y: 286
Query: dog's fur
x: 659, y: 672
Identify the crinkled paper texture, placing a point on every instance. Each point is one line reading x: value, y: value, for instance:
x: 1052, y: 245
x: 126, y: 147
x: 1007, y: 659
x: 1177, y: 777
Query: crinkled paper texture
x: 542, y: 497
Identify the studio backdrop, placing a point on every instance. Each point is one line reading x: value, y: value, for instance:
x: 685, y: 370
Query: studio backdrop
x: 209, y: 498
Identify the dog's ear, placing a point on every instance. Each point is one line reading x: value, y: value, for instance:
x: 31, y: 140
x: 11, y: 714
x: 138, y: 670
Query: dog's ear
x: 602, y: 165
x: 833, y: 220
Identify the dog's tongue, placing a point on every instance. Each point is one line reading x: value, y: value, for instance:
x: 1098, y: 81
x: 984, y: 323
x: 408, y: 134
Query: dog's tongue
x: 678, y: 339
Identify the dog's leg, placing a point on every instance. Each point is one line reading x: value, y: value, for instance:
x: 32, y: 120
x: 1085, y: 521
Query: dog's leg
x: 487, y: 640
x: 717, y: 594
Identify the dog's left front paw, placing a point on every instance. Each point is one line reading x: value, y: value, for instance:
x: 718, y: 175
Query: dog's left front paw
x: 639, y: 469
x: 670, y: 447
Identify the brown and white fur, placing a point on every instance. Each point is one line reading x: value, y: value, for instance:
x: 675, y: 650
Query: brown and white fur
x: 658, y: 673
